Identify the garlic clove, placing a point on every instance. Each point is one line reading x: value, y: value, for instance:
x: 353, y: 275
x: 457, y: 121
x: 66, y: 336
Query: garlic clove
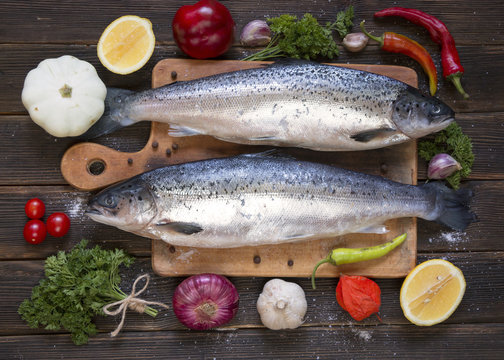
x: 256, y: 33
x: 441, y: 166
x: 282, y: 305
x: 355, y: 42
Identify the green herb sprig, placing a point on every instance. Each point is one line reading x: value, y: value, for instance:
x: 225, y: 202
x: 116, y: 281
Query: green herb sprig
x: 304, y: 38
x: 76, y: 286
x: 454, y: 142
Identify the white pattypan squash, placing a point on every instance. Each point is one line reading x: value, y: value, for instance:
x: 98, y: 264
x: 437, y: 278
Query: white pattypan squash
x: 64, y: 96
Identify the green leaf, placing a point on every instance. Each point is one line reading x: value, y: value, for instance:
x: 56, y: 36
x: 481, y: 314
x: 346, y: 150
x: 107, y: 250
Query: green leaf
x: 454, y: 142
x: 76, y: 287
x: 344, y: 22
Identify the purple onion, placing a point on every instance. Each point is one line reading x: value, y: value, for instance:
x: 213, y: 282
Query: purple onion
x: 441, y: 166
x: 256, y: 33
x: 205, y: 301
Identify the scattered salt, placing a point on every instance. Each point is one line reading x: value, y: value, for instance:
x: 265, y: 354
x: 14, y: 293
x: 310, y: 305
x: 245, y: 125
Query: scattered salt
x: 362, y: 334
x: 75, y: 204
x: 451, y: 237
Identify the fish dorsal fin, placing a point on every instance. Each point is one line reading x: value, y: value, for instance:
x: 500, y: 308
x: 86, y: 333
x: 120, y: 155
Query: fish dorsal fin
x: 181, y: 227
x: 368, y: 135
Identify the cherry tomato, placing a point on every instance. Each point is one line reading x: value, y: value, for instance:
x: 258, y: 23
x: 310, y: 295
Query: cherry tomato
x: 203, y: 30
x: 58, y: 224
x: 34, y: 208
x: 34, y: 231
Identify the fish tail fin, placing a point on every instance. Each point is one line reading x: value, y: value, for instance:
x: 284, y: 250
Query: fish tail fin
x: 114, y: 117
x: 453, y: 206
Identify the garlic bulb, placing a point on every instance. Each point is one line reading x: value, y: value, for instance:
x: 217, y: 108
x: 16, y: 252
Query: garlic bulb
x: 355, y: 42
x: 441, y: 166
x: 256, y: 33
x: 282, y: 305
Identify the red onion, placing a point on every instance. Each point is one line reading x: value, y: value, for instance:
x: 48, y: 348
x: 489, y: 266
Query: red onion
x: 441, y: 166
x: 205, y: 301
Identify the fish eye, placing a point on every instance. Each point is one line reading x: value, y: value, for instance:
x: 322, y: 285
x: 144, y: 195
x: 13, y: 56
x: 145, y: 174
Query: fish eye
x: 436, y: 109
x: 109, y: 200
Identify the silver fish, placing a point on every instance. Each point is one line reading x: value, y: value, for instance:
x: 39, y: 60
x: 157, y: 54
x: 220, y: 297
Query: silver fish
x: 294, y: 103
x: 265, y: 199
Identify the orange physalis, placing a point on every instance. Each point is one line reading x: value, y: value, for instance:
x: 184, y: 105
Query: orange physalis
x: 359, y: 296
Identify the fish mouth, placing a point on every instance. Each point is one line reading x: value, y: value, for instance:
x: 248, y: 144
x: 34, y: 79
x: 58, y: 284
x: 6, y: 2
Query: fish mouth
x: 92, y: 211
x: 448, y: 118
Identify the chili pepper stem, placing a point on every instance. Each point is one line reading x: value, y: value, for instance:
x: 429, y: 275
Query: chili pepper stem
x: 372, y: 37
x: 323, y: 261
x: 455, y: 79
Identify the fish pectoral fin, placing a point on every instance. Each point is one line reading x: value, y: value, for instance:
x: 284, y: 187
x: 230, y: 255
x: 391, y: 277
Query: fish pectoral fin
x: 272, y: 153
x: 373, y: 229
x: 263, y: 138
x: 368, y: 135
x: 178, y: 131
x: 295, y: 237
x: 186, y: 228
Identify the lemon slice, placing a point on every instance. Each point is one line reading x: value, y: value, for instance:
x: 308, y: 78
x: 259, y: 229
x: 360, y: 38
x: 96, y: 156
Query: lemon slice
x: 431, y: 292
x: 126, y: 44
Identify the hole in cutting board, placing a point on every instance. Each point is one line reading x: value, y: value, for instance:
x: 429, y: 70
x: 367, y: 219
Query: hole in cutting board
x: 96, y: 167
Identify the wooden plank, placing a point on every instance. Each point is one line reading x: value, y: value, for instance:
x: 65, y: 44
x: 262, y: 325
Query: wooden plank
x: 484, y: 80
x: 482, y: 302
x: 42, y: 22
x: 41, y: 159
x: 488, y: 207
x: 486, y: 132
x: 482, y: 236
x: 345, y: 342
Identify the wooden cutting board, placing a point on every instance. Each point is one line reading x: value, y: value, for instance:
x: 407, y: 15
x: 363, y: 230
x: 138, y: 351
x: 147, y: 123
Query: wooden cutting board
x: 90, y: 166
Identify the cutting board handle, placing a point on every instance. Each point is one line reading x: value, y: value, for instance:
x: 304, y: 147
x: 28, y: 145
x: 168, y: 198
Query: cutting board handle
x: 90, y: 166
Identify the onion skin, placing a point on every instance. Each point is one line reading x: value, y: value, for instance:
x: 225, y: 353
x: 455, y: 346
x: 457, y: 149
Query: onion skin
x: 256, y: 33
x: 441, y: 166
x: 205, y: 301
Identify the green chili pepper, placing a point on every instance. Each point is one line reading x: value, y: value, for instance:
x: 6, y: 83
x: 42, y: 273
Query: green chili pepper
x: 346, y: 256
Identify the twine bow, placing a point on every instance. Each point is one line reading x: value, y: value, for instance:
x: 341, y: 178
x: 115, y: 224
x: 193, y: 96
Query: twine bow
x: 132, y: 302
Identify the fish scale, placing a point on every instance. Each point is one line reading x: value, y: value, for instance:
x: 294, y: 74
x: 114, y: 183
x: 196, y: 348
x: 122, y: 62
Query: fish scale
x: 291, y: 103
x: 264, y: 199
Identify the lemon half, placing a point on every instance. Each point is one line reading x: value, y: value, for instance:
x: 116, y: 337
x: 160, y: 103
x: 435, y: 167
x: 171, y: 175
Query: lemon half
x: 126, y: 44
x: 431, y: 292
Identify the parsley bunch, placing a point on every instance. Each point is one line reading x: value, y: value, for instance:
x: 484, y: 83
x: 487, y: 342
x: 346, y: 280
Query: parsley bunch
x: 304, y: 38
x: 76, y: 287
x: 454, y: 142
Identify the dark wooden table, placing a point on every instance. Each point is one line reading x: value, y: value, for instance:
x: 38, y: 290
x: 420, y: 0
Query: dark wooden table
x: 29, y: 162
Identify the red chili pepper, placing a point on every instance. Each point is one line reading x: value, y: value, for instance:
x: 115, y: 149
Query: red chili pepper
x: 398, y: 43
x: 359, y: 296
x: 452, y: 68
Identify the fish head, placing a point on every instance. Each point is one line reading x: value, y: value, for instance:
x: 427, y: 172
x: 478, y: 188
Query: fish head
x: 129, y: 205
x: 417, y: 115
